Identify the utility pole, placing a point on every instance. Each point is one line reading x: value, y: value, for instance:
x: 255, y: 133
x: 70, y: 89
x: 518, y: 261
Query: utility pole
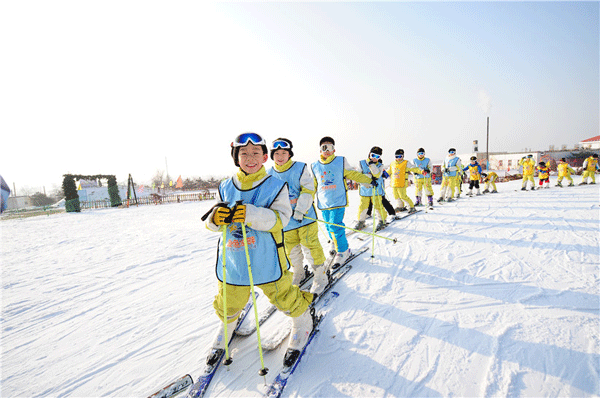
x: 487, y: 145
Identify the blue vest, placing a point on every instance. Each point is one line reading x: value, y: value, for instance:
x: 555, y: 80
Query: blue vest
x: 262, y: 248
x: 369, y: 191
x: 452, y: 163
x: 422, y: 164
x: 292, y: 177
x: 331, y: 189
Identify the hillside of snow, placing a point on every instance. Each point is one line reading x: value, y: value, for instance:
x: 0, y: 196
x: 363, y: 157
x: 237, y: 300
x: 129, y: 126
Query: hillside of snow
x: 495, y: 295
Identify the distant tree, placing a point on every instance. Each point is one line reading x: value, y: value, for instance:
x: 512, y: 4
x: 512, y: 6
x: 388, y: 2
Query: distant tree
x: 40, y: 199
x: 158, y: 178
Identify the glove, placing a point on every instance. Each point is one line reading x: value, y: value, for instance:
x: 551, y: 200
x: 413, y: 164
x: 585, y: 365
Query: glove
x: 298, y: 216
x: 374, y: 182
x: 222, y: 216
x: 238, y: 213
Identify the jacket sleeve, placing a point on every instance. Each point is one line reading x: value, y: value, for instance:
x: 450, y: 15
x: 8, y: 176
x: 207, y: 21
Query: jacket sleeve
x: 271, y: 218
x: 307, y: 192
x: 351, y: 174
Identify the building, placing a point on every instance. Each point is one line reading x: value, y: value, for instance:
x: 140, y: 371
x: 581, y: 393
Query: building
x: 590, y: 143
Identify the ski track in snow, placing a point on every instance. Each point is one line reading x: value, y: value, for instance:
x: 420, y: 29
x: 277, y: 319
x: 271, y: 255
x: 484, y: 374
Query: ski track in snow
x: 494, y: 295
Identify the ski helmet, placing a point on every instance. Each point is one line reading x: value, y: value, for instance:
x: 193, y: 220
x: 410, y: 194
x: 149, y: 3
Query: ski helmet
x: 473, y: 157
x: 420, y: 150
x: 452, y: 150
x: 243, y: 140
x: 282, y: 143
x: 595, y: 155
x: 399, y: 152
x: 543, y: 164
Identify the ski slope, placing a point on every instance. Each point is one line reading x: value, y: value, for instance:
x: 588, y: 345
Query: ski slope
x: 490, y: 296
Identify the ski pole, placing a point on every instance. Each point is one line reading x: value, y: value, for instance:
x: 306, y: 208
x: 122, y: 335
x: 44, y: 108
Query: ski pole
x: 227, y: 360
x: 352, y: 229
x: 321, y: 229
x: 263, y: 371
x: 374, y: 210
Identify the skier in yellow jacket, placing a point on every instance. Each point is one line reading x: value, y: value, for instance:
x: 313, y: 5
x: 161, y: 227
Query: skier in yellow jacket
x: 301, y: 232
x: 372, y: 165
x: 564, y: 171
x: 543, y: 175
x: 398, y: 172
x: 451, y: 181
x: 590, y: 166
x: 260, y: 203
x: 490, y: 180
x: 528, y: 168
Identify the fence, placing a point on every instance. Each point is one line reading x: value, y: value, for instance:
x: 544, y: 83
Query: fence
x: 152, y: 199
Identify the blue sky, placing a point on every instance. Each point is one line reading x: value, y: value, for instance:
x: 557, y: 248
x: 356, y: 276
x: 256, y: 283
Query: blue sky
x: 115, y: 87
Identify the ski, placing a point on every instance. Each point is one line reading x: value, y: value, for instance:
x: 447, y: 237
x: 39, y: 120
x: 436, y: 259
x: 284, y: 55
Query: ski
x: 174, y: 388
x: 272, y: 341
x: 250, y: 327
x: 365, y: 237
x: 276, y: 387
x: 203, y: 381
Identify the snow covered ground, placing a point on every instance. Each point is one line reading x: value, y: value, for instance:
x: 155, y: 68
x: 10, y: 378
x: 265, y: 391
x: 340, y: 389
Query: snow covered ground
x: 495, y: 295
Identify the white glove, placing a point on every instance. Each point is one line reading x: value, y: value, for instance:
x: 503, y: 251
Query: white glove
x: 298, y: 216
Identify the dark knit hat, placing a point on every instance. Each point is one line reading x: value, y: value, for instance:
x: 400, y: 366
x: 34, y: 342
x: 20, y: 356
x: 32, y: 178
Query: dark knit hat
x: 326, y: 139
x: 376, y: 150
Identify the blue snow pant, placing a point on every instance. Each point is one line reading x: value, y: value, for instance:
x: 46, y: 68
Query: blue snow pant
x: 338, y: 234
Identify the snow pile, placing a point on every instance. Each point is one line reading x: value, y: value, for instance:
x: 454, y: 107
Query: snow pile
x: 495, y: 295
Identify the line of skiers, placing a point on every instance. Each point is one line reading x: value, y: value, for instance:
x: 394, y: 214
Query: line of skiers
x: 590, y: 167
x: 268, y: 218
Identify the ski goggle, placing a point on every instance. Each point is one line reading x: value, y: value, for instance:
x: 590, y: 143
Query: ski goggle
x: 281, y: 145
x: 452, y: 152
x: 327, y: 148
x: 246, y: 138
x: 399, y: 156
x: 529, y: 156
x: 420, y: 153
x: 374, y: 156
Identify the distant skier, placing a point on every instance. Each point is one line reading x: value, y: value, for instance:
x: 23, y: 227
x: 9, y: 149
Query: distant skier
x: 372, y: 165
x: 300, y: 232
x: 398, y: 172
x: 423, y: 179
x: 590, y: 166
x: 330, y: 173
x: 474, y: 175
x: 528, y: 168
x: 451, y: 176
x: 564, y: 171
x: 543, y: 175
x: 265, y: 209
x: 490, y: 181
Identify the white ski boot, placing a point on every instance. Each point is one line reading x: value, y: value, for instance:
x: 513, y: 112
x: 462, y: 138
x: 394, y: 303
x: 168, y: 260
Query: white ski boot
x: 340, y: 259
x: 359, y: 225
x: 218, y: 345
x: 302, y: 326
x: 320, y: 279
